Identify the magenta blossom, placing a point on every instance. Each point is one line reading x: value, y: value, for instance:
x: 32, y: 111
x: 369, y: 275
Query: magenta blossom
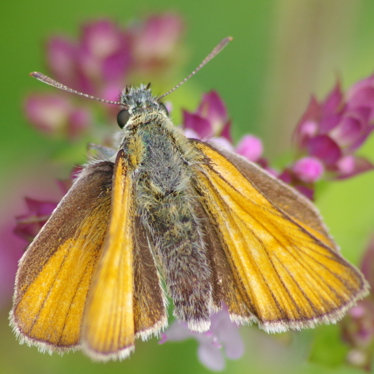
x: 358, y: 327
x: 104, y: 59
x: 101, y: 57
x: 57, y: 115
x: 333, y: 130
x: 250, y: 147
x: 155, y: 42
x: 210, y: 120
x: 223, y: 335
x: 11, y: 250
x: 303, y: 174
x: 29, y: 224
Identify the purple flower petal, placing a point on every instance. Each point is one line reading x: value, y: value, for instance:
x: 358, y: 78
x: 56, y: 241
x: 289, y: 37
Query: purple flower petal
x: 79, y: 120
x: 308, y: 125
x: 362, y: 93
x: 334, y: 100
x: 100, y: 38
x: 55, y: 115
x: 11, y: 250
x: 158, y: 37
x: 308, y: 169
x: 211, y: 357
x: 351, y: 165
x: 226, y: 131
x: 105, y: 51
x: 47, y: 113
x: 222, y: 334
x: 324, y: 148
x: 222, y: 142
x: 347, y: 131
x: 361, y: 139
x: 329, y: 122
x: 28, y: 225
x: 115, y: 66
x: 213, y: 108
x: 210, y: 119
x: 189, y: 133
x: 250, y: 147
x: 228, y: 334
x: 198, y: 124
x: 176, y: 332
x: 61, y: 59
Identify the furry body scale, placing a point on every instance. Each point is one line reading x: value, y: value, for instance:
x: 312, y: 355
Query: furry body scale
x: 161, y: 160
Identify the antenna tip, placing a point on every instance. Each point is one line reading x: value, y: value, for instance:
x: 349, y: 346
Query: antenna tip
x: 222, y: 44
x: 35, y: 74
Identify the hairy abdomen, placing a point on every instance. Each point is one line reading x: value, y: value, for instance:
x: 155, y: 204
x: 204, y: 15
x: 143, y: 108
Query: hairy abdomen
x: 165, y: 204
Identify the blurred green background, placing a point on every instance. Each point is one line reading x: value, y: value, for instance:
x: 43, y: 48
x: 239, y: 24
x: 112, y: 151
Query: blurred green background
x: 283, y: 51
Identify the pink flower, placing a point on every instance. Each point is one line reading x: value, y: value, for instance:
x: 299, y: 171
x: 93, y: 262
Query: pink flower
x: 29, y: 224
x: 210, y: 120
x: 156, y: 41
x: 56, y: 115
x: 11, y: 250
x: 358, y: 327
x: 308, y: 169
x: 101, y: 57
x: 331, y: 131
x: 250, y: 147
x: 99, y: 63
x: 222, y: 334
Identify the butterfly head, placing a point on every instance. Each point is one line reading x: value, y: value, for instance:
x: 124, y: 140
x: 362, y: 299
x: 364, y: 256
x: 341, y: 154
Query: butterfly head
x: 137, y: 101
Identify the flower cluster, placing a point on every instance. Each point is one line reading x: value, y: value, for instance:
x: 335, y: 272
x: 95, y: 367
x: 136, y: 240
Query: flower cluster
x: 104, y: 59
x: 330, y: 133
x: 223, y: 333
x: 358, y: 327
x: 211, y: 122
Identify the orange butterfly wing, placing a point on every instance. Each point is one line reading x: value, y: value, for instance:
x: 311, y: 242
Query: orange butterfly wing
x: 285, y: 271
x: 88, y: 279
x: 55, y: 272
x: 108, y: 325
x: 123, y: 303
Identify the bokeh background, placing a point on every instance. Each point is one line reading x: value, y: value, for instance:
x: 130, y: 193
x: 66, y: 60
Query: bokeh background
x: 283, y: 51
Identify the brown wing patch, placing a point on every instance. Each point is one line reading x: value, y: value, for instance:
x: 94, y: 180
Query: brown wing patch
x: 149, y: 299
x: 55, y: 273
x: 226, y: 288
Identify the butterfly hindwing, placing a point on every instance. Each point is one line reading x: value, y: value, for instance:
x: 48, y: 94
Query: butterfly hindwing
x: 149, y: 298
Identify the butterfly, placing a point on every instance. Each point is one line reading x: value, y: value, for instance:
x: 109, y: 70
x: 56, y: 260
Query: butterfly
x: 165, y: 216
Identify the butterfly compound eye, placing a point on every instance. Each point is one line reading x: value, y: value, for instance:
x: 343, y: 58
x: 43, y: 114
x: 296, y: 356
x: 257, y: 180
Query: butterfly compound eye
x: 122, y: 118
x: 163, y: 107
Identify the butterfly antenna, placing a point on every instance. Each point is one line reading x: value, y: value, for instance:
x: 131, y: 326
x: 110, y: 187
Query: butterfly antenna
x: 222, y: 44
x: 47, y: 80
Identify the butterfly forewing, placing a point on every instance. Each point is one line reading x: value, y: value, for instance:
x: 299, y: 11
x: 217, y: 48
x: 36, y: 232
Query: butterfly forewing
x: 290, y: 277
x: 282, y: 195
x: 125, y: 299
x: 56, y: 271
x: 108, y: 324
